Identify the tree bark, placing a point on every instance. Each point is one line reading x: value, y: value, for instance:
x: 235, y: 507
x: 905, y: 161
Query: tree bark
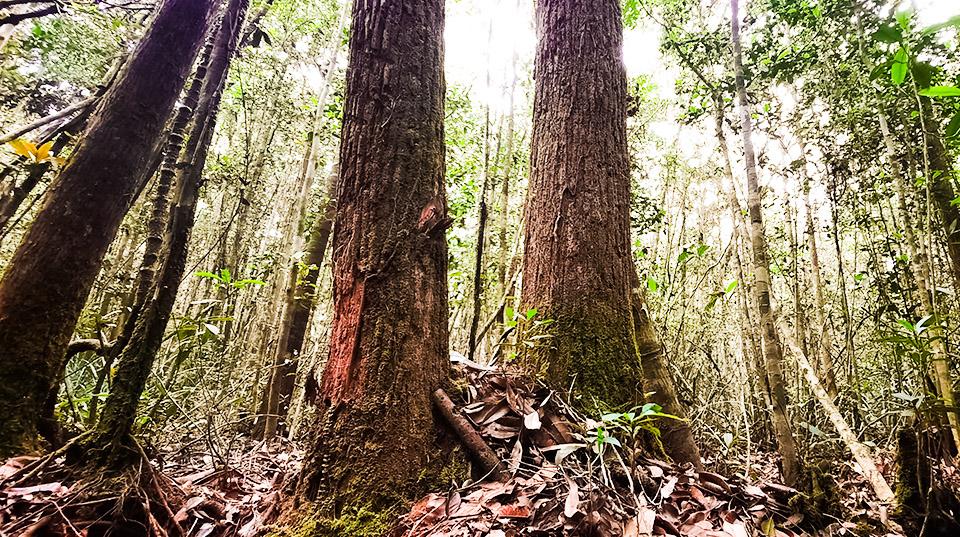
x: 772, y: 348
x: 137, y: 357
x: 577, y: 262
x: 941, y: 188
x: 52, y: 271
x: 388, y: 344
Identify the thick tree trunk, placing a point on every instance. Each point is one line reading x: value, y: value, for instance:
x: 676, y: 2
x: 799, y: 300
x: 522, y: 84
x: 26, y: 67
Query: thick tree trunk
x: 52, y: 271
x: 136, y: 360
x: 772, y: 348
x: 577, y: 262
x: 388, y: 345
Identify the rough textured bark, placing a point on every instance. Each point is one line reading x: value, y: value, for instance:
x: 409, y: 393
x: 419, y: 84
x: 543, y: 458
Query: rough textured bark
x: 160, y: 209
x: 772, y: 348
x: 577, y: 262
x: 388, y: 345
x: 136, y: 360
x: 53, y: 269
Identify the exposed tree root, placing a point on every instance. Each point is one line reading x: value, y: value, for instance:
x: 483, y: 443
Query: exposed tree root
x: 65, y: 495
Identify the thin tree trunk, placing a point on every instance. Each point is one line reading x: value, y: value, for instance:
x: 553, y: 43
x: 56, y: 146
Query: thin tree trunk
x: 299, y: 307
x: 388, y: 345
x: 772, y: 349
x: 136, y: 360
x: 861, y: 453
x: 160, y: 207
x: 921, y: 274
x: 941, y: 188
x: 825, y: 344
x: 52, y: 271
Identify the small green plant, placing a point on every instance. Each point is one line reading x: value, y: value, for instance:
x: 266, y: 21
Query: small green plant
x: 630, y: 425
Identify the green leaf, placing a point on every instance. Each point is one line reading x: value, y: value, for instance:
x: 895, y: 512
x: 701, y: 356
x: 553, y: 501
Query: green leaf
x: 652, y: 284
x: 702, y: 249
x: 898, y: 70
x: 888, y: 34
x: 940, y: 91
x: 934, y: 28
x: 684, y: 255
x: 903, y: 18
x: 531, y: 313
x: 953, y: 128
x: 731, y: 286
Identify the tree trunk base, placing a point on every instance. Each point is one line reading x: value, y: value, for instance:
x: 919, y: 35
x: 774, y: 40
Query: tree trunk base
x: 69, y: 493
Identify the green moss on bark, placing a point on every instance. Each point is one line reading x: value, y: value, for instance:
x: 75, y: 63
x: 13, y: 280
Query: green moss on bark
x: 591, y: 352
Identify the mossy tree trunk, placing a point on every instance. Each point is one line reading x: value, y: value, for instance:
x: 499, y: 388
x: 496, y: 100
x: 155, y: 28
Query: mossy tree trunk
x: 388, y: 345
x: 51, y: 273
x: 772, y: 347
x: 577, y: 262
x: 137, y: 357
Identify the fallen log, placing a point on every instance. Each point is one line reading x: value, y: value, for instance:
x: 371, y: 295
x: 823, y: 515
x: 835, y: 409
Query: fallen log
x: 479, y: 451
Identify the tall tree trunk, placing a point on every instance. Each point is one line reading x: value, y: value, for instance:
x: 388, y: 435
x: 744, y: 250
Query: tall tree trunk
x: 921, y: 274
x: 136, y: 360
x: 577, y: 265
x: 388, y: 345
x: 53, y: 269
x: 825, y: 345
x: 941, y: 188
x: 300, y: 303
x: 772, y: 348
x: 160, y: 208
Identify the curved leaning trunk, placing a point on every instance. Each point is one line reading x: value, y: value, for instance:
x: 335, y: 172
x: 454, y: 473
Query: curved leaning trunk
x: 53, y: 269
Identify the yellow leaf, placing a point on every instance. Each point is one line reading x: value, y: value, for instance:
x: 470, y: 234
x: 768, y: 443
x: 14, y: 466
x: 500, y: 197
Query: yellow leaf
x: 59, y: 161
x: 23, y: 147
x: 44, y: 151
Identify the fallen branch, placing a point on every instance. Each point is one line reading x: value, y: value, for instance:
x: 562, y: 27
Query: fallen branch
x: 85, y: 345
x: 475, y: 445
x: 861, y: 453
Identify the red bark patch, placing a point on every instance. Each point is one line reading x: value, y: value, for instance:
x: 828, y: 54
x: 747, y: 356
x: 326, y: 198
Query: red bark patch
x: 340, y: 380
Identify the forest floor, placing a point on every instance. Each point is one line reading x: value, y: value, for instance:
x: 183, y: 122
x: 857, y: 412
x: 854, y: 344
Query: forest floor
x: 562, y: 474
